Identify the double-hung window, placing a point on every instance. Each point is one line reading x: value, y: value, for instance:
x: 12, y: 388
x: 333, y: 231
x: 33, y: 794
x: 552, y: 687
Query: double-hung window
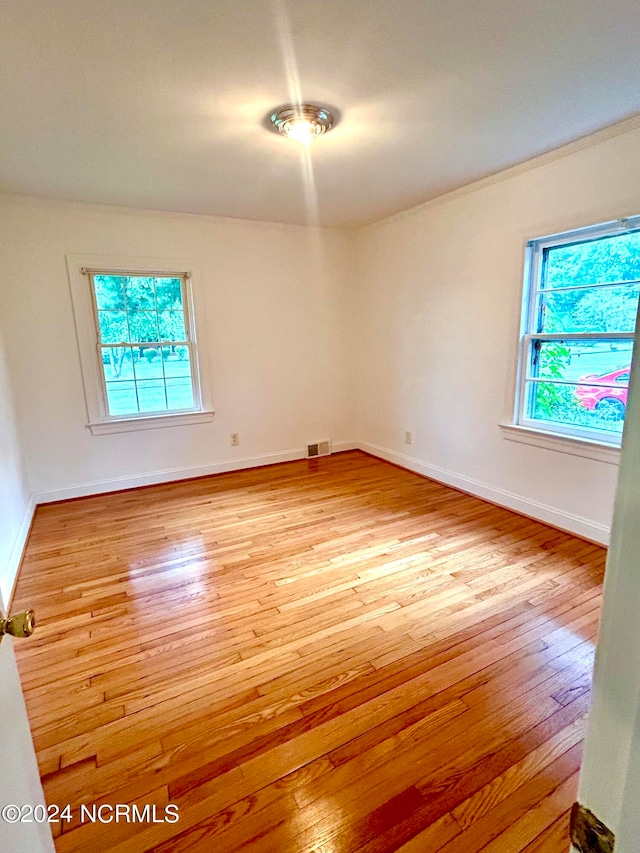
x: 145, y: 343
x: 140, y: 354
x: 579, y: 317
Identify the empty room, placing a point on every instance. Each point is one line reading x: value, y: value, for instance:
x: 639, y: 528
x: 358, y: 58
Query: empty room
x: 319, y: 443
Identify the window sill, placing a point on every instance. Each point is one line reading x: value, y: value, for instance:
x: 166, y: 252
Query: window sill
x: 153, y: 422
x: 562, y: 443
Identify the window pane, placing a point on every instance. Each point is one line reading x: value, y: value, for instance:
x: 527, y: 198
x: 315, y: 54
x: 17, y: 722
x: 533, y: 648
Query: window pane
x: 113, y: 327
x: 177, y: 362
x: 109, y: 291
x: 151, y: 395
x: 614, y: 258
x: 143, y: 326
x: 117, y: 363
x: 580, y: 406
x: 121, y: 398
x: 602, y: 309
x: 135, y: 379
x: 180, y: 393
x: 140, y: 293
x: 171, y: 326
x: 169, y: 294
x: 599, y: 361
x: 148, y: 363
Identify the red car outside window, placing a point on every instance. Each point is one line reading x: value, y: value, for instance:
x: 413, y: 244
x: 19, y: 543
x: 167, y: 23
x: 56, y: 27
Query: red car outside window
x: 606, y: 393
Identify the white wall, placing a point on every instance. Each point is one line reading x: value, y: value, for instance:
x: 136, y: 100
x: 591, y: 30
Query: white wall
x: 440, y: 292
x: 277, y: 302
x: 16, y: 507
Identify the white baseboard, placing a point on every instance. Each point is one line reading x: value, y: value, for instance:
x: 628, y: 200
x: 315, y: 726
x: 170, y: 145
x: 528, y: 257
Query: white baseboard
x: 169, y: 475
x: 10, y: 574
x: 551, y: 515
x: 343, y: 446
x: 533, y: 509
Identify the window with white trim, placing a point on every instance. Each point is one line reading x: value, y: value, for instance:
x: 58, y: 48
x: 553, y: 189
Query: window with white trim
x: 579, y: 317
x: 137, y: 339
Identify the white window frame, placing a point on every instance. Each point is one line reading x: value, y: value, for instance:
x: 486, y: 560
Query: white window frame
x: 81, y: 269
x: 572, y: 439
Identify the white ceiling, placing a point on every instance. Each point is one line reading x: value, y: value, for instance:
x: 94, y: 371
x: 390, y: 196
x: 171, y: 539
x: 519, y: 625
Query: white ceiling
x: 160, y: 103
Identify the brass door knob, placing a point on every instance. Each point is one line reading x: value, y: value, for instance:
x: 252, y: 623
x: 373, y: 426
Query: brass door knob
x: 20, y: 625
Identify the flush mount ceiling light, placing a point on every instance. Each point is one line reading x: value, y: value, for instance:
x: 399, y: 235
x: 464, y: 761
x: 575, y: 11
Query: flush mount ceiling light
x: 302, y: 122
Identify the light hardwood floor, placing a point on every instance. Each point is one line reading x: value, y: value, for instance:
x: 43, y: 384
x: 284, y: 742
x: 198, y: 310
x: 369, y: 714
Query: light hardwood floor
x: 316, y: 657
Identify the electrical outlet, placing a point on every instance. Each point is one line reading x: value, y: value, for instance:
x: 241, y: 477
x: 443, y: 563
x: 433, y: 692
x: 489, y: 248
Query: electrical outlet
x: 408, y: 438
x: 235, y: 439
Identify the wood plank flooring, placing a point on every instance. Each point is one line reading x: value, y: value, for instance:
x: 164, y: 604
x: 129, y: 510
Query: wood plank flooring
x: 316, y: 657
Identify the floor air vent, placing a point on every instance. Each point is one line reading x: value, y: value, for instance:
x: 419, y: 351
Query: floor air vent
x: 321, y: 448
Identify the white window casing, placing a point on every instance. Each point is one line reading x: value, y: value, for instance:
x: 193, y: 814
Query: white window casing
x: 82, y: 269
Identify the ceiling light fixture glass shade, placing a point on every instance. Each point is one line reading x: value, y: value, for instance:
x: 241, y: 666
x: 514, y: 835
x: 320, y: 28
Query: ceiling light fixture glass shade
x: 302, y: 122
